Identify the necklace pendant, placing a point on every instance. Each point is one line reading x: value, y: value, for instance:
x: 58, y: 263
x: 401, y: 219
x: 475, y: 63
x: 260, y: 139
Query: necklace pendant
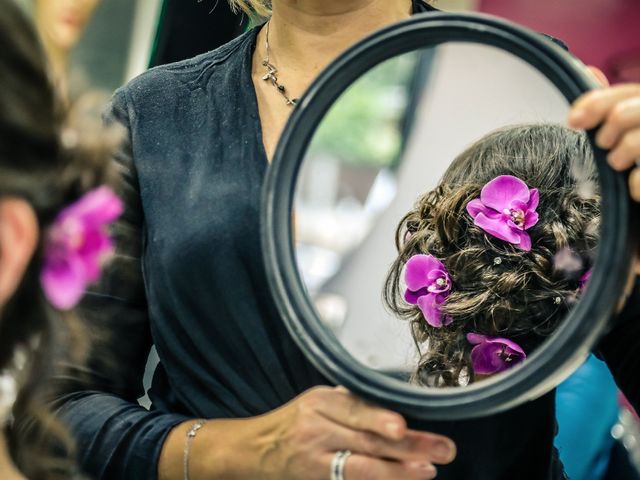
x: 272, y: 74
x: 271, y: 69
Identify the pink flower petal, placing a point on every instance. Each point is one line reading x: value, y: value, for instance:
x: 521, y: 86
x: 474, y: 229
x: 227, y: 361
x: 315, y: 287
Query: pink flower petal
x: 476, y: 338
x: 498, y: 228
x: 417, y: 271
x: 505, y: 341
x: 93, y: 242
x: 98, y: 207
x: 500, y: 192
x: 76, y: 245
x: 531, y: 218
x: 525, y: 242
x: 413, y: 297
x: 476, y: 207
x: 64, y: 282
x: 431, y: 310
x: 484, y: 359
x: 534, y: 199
x: 493, y: 355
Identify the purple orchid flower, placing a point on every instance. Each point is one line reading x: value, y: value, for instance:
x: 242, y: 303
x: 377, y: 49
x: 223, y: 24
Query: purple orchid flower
x: 428, y: 286
x: 76, y: 246
x: 494, y: 355
x: 506, y: 209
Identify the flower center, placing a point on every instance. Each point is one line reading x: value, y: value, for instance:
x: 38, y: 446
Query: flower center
x: 439, y: 285
x: 517, y: 216
x: 507, y: 357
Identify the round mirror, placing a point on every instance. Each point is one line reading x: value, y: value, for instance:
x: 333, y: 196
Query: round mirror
x: 438, y: 241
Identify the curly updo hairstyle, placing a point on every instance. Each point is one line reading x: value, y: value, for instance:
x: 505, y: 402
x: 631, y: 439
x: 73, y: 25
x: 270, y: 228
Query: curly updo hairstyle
x: 48, y: 157
x: 499, y: 290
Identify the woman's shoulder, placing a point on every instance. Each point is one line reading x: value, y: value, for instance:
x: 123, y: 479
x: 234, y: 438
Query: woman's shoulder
x: 187, y: 75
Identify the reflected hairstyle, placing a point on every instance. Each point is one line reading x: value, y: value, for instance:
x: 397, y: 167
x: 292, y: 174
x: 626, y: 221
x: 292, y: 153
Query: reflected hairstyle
x: 499, y: 290
x: 50, y: 164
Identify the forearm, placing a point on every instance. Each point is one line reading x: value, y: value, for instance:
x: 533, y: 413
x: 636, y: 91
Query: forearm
x: 115, y: 438
x: 221, y: 449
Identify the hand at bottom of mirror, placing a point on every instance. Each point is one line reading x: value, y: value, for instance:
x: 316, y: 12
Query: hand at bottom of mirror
x: 306, y: 440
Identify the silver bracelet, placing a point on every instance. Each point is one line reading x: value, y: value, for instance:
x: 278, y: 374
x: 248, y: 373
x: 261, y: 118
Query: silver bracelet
x: 191, y: 434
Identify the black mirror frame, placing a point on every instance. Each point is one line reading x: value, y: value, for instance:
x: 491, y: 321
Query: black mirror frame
x: 576, y: 336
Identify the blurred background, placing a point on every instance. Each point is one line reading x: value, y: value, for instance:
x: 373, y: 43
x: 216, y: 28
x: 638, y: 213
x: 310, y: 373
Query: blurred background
x: 124, y: 37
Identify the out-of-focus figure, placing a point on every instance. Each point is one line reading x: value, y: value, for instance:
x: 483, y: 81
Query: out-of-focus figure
x: 55, y: 207
x: 61, y: 24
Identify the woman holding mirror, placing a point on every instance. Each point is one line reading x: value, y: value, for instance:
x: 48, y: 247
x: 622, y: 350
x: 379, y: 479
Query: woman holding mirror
x: 201, y: 135
x: 191, y: 225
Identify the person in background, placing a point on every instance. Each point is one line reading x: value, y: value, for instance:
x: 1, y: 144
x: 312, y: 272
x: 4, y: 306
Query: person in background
x: 54, y: 208
x: 61, y: 24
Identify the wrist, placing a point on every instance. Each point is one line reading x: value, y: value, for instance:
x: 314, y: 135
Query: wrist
x: 192, y: 433
x: 235, y: 449
x: 232, y: 450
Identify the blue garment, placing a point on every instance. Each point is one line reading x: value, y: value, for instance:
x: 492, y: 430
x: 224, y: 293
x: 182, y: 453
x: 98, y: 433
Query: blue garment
x: 586, y: 409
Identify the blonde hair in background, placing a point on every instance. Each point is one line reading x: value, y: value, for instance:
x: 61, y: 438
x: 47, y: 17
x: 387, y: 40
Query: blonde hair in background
x: 261, y: 8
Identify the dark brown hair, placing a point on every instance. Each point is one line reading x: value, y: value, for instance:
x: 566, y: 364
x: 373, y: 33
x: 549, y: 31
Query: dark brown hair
x: 499, y: 290
x: 50, y: 163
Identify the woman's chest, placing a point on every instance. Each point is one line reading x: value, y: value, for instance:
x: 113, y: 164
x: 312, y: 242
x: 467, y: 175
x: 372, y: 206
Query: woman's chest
x: 200, y: 182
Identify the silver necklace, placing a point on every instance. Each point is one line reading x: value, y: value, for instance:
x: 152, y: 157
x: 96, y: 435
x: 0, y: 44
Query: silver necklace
x: 272, y: 75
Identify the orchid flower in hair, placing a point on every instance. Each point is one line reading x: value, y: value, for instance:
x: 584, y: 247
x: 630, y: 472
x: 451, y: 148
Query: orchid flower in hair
x: 494, y: 355
x: 76, y: 246
x: 428, y: 285
x: 506, y: 209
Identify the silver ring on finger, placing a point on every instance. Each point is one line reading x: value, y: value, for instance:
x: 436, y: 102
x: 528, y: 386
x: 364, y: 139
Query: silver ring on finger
x: 338, y: 463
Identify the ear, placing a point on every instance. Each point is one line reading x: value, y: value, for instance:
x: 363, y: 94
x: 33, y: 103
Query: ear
x: 18, y: 240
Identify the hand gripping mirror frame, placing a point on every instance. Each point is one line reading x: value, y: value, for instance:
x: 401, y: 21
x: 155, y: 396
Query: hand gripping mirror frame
x: 576, y: 336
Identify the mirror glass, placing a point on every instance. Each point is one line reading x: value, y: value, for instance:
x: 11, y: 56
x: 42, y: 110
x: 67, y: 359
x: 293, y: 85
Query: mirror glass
x: 445, y: 220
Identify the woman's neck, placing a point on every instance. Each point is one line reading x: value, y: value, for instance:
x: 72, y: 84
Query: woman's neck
x: 306, y: 35
x: 57, y: 61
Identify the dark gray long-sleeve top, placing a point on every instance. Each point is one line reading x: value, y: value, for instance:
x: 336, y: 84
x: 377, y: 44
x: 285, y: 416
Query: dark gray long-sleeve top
x: 188, y: 277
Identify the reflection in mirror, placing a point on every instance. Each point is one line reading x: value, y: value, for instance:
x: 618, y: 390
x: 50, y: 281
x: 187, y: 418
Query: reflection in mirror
x: 445, y: 221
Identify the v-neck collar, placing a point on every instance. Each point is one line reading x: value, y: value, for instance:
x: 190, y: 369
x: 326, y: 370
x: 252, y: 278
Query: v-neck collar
x: 419, y: 6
